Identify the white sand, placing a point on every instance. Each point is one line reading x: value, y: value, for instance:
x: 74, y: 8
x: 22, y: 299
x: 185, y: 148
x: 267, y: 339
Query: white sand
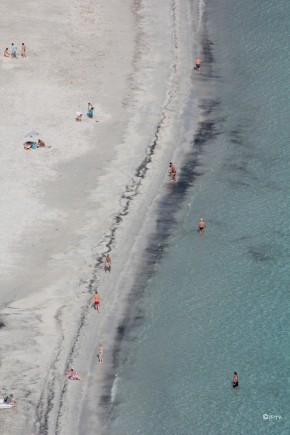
x: 58, y: 204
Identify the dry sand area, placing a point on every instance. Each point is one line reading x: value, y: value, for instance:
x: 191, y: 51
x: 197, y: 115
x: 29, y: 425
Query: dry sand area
x: 56, y: 203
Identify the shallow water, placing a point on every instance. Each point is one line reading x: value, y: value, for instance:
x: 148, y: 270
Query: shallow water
x: 220, y: 302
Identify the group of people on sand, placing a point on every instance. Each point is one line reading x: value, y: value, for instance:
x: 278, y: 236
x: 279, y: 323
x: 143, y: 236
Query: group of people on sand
x: 96, y: 299
x: 90, y: 113
x: 96, y: 303
x: 13, y: 51
x: 30, y: 145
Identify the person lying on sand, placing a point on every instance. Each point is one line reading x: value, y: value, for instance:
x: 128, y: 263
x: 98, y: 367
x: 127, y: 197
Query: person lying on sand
x: 72, y: 375
x: 29, y: 145
x: 6, y: 53
x: 79, y: 116
x: 40, y: 143
x: 8, y: 400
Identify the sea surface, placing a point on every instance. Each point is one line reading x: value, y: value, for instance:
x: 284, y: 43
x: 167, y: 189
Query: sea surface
x: 219, y: 303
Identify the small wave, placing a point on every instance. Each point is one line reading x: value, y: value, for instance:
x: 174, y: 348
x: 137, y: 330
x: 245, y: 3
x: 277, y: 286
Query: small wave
x: 114, y: 388
x: 201, y: 10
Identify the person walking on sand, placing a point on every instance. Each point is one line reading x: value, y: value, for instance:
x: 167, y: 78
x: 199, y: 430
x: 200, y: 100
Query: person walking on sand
x: 197, y: 64
x: 23, y: 50
x: 90, y: 113
x: 6, y: 52
x: 13, y: 51
x: 96, y: 301
x: 108, y: 263
x: 172, y: 171
x: 101, y: 354
x: 235, y: 380
x: 201, y: 226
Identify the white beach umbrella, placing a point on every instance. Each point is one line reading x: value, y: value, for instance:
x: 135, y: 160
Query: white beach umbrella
x: 32, y: 133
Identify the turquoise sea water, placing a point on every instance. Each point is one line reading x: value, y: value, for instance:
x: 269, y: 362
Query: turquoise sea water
x: 219, y: 303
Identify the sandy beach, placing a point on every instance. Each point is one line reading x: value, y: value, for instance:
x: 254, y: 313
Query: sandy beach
x: 65, y: 206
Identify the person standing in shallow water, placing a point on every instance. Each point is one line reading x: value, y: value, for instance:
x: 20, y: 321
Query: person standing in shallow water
x: 201, y: 226
x: 172, y: 171
x: 235, y: 380
x: 197, y: 64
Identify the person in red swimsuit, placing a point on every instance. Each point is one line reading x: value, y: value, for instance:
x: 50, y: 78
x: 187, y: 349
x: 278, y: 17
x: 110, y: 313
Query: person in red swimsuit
x: 96, y: 301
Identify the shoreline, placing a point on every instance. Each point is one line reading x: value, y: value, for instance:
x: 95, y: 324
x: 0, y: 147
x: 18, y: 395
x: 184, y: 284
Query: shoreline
x: 165, y: 213
x: 133, y: 314
x: 89, y: 419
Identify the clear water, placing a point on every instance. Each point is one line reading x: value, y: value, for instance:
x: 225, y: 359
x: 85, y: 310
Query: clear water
x: 219, y: 303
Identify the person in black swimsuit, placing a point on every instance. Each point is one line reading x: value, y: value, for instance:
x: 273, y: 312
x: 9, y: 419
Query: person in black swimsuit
x: 235, y: 380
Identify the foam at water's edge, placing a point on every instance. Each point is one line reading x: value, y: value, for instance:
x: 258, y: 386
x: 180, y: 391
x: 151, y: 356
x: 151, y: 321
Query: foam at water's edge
x: 201, y: 10
x: 114, y: 388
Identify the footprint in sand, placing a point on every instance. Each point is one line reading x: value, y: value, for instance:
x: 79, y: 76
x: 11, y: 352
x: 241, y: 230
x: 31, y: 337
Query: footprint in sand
x: 101, y: 116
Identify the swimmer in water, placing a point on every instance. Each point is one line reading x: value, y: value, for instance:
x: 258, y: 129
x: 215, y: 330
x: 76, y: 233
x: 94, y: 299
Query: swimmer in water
x: 197, y: 64
x: 201, y: 226
x: 172, y: 171
x: 96, y: 301
x: 108, y: 263
x: 235, y: 380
